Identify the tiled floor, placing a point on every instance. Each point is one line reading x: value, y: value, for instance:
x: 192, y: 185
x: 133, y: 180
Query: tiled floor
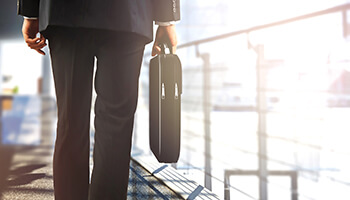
x: 26, y: 171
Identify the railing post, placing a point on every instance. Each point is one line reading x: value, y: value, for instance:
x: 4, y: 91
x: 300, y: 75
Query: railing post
x: 46, y: 75
x: 227, y: 186
x: 207, y: 109
x: 294, y: 184
x: 345, y: 24
x: 261, y: 106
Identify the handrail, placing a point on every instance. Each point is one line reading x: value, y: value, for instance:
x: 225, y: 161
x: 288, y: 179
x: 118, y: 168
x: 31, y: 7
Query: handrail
x: 259, y: 27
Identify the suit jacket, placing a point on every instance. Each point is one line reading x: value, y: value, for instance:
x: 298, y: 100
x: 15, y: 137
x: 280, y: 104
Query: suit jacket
x: 135, y: 16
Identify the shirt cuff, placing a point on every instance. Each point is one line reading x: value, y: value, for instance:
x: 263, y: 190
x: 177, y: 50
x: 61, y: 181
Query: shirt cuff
x: 166, y: 23
x: 29, y: 17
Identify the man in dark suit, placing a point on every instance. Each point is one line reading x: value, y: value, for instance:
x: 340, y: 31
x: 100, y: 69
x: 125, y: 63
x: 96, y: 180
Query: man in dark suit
x: 115, y: 33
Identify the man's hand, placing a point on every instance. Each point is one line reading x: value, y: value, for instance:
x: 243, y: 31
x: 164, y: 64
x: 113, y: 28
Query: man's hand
x: 30, y: 29
x: 165, y: 34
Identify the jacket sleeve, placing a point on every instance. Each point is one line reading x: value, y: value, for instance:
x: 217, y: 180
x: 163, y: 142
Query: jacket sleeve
x: 28, y: 8
x: 166, y: 10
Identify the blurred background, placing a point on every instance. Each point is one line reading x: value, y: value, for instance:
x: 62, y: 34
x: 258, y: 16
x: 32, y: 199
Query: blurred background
x: 265, y: 104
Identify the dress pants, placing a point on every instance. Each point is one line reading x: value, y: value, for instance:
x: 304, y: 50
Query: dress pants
x: 119, y: 56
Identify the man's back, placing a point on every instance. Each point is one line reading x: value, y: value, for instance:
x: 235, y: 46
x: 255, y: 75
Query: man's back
x: 119, y: 15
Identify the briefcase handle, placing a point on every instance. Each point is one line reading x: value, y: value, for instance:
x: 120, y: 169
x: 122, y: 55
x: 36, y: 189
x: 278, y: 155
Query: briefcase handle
x: 163, y: 47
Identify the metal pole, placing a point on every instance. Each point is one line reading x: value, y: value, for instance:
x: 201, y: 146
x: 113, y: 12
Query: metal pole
x: 345, y: 23
x: 261, y: 109
x: 207, y: 109
x: 294, y: 184
x: 227, y: 186
x: 46, y: 75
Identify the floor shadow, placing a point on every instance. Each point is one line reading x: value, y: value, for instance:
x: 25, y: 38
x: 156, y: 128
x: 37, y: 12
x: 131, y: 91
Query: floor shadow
x: 19, y: 176
x: 26, y: 169
x: 6, y: 155
x: 25, y: 179
x: 23, y: 175
x: 143, y: 185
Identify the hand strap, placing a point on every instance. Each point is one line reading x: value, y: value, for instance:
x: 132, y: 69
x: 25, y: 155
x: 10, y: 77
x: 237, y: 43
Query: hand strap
x: 163, y: 47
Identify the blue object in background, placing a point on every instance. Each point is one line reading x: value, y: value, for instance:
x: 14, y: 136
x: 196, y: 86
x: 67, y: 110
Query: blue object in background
x: 21, y: 123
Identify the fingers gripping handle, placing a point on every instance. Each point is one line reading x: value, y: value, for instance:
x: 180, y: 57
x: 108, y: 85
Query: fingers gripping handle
x: 164, y: 47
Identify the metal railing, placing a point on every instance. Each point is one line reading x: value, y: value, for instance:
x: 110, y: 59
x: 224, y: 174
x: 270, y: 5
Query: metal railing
x: 198, y: 113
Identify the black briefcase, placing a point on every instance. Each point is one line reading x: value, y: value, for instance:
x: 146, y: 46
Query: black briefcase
x: 165, y: 79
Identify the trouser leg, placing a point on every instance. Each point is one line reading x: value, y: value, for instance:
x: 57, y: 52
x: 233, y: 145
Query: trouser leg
x: 116, y: 82
x: 72, y: 64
